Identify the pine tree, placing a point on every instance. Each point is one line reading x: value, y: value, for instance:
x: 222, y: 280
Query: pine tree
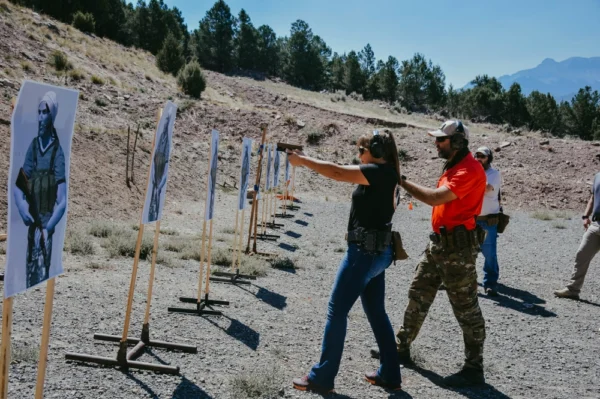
x: 246, y: 43
x: 170, y: 58
x: 515, y: 109
x: 354, y: 79
x: 268, y: 60
x: 213, y: 41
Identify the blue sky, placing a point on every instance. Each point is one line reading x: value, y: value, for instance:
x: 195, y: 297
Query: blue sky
x: 465, y: 38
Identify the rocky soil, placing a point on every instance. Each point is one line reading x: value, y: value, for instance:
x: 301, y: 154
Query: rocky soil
x: 537, y: 346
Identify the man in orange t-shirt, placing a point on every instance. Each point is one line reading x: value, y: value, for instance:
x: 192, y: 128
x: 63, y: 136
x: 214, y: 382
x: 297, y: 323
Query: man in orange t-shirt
x: 452, y: 252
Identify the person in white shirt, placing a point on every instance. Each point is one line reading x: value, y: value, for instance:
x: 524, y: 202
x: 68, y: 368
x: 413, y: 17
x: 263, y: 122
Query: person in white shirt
x: 488, y: 219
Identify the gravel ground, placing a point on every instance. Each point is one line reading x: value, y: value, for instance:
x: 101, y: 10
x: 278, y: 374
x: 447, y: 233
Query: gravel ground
x: 537, y: 346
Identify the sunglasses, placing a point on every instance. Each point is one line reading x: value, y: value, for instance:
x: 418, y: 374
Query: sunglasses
x: 482, y: 156
x: 362, y: 150
x: 441, y: 139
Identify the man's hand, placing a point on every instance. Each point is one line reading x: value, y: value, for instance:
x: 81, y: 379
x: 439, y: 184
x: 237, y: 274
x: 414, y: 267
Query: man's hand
x: 295, y: 157
x: 586, y: 223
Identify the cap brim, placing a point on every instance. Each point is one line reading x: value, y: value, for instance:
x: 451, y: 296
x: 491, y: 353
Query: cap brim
x: 437, y: 133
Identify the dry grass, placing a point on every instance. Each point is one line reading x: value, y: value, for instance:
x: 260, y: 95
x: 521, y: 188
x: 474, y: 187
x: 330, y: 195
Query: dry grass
x: 261, y: 382
x: 546, y: 215
x: 283, y: 263
x: 22, y: 352
x: 97, y: 80
x: 80, y: 244
x: 98, y: 266
x: 123, y: 242
x: 26, y: 66
x: 559, y: 226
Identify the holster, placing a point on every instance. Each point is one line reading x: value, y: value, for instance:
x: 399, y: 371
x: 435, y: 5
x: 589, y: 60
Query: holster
x: 370, y: 240
x: 458, y: 239
x: 399, y: 252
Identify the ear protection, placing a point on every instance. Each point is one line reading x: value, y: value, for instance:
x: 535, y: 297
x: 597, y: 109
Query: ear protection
x: 457, y: 141
x: 376, y: 146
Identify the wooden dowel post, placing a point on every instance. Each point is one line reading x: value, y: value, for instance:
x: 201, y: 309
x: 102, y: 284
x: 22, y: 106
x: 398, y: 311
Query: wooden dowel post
x: 7, y: 315
x: 239, y: 251
x: 210, y: 232
x: 41, y: 376
x: 202, y: 260
x: 152, y: 269
x: 293, y: 185
x: 254, y: 211
x: 136, y: 260
x: 235, y: 236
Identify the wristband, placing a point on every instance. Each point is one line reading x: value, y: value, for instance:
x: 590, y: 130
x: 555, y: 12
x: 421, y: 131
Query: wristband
x: 585, y: 217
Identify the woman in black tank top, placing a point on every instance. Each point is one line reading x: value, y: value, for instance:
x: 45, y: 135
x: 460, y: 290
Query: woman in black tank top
x: 362, y: 270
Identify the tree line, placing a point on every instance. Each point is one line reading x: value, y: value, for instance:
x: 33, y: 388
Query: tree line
x: 225, y: 43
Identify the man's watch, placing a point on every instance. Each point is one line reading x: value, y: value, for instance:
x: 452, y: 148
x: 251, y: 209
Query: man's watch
x: 585, y: 217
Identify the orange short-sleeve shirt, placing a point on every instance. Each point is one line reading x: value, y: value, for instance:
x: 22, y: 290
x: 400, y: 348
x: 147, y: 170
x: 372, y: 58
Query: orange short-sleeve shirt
x: 467, y: 180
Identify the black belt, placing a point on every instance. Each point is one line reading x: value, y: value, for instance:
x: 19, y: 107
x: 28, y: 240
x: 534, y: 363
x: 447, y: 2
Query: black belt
x: 370, y: 240
x: 451, y: 241
x: 595, y: 217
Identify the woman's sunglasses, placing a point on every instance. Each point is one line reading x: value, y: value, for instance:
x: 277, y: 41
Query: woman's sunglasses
x: 362, y: 150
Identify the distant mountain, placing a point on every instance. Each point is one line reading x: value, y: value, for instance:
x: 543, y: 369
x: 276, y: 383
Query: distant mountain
x: 561, y: 79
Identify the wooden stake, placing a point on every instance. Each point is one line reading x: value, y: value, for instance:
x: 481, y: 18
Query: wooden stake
x: 138, y: 244
x: 234, y: 246
x: 136, y: 260
x: 41, y: 376
x: 239, y: 251
x: 253, y: 212
x: 127, y: 161
x: 202, y: 260
x: 207, y: 286
x: 152, y: 268
x: 293, y: 185
x: 7, y: 314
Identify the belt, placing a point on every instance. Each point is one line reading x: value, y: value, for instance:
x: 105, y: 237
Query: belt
x: 449, y: 241
x: 486, y: 217
x: 371, y: 240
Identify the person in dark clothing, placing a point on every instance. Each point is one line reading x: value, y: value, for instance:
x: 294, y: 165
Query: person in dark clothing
x: 362, y: 270
x: 44, y: 168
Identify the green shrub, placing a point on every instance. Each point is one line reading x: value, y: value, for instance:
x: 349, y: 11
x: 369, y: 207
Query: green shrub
x: 123, y: 244
x: 170, y: 57
x: 100, y: 102
x: 60, y: 61
x: 84, y: 22
x: 191, y: 80
x: 314, y: 137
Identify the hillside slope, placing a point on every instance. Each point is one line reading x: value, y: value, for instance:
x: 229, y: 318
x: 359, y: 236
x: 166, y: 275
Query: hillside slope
x: 549, y: 175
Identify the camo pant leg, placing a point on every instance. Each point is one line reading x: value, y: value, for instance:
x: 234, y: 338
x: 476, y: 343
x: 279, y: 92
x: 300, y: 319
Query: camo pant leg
x: 458, y: 272
x: 421, y: 294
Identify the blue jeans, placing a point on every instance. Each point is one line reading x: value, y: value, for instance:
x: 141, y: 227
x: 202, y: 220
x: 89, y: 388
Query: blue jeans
x: 360, y: 274
x: 491, y: 270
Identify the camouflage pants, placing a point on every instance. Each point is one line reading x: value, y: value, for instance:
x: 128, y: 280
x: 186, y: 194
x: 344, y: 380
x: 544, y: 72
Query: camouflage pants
x: 457, y: 271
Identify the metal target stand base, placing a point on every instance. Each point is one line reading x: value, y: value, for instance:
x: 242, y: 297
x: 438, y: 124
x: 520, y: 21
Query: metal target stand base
x: 264, y: 236
x: 126, y: 359
x: 273, y: 225
x: 284, y: 215
x: 204, y: 307
x: 234, y: 278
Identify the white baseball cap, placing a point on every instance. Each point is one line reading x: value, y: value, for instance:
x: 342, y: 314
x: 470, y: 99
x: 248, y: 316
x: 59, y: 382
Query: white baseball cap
x: 450, y: 128
x: 483, y: 150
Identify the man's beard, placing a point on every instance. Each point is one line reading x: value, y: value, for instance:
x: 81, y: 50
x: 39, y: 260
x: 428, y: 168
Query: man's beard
x: 43, y: 128
x: 444, y: 154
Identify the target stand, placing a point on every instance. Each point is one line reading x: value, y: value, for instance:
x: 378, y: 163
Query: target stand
x: 203, y: 307
x: 126, y: 359
x: 232, y: 278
